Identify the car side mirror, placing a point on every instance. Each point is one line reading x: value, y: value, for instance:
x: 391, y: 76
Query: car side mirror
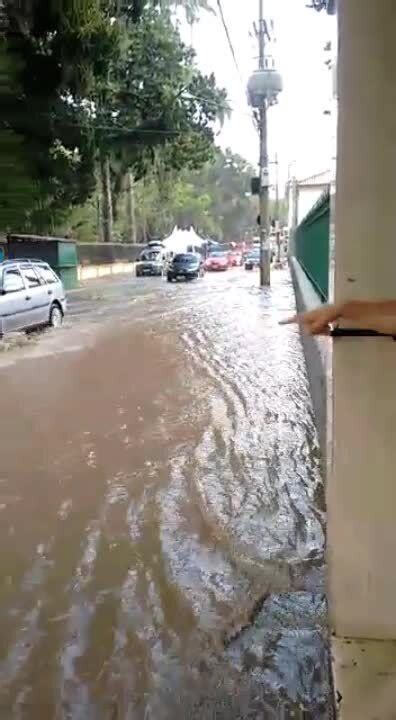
x: 3, y: 291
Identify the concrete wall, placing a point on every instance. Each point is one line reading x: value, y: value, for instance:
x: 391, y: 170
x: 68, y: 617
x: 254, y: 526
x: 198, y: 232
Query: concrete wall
x: 92, y: 272
x: 316, y: 351
x: 362, y: 480
x: 104, y: 259
x: 361, y: 484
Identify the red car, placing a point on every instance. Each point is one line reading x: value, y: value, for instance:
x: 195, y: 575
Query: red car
x: 217, y: 260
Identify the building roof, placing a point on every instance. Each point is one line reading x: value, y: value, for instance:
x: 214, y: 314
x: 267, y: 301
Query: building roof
x: 16, y: 237
x: 319, y: 179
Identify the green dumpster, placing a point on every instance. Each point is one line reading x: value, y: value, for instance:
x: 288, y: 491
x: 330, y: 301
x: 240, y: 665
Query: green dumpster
x: 67, y: 264
x: 59, y: 253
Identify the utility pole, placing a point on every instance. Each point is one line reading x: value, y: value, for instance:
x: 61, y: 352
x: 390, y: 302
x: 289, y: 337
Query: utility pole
x: 277, y: 218
x: 265, y: 255
x: 276, y: 163
x: 131, y: 211
x: 263, y: 87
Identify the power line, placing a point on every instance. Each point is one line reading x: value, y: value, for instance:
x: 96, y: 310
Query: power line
x: 227, y: 32
x: 234, y: 57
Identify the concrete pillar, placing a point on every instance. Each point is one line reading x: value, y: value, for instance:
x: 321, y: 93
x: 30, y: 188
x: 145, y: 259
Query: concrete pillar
x: 362, y: 472
x: 362, y: 482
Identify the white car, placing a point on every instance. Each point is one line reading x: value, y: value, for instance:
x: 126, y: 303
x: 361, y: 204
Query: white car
x: 150, y: 262
x: 31, y: 295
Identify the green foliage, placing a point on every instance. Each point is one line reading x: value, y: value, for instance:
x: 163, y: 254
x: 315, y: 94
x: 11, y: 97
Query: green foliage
x: 159, y: 100
x: 90, y: 77
x: 49, y: 56
x: 214, y: 199
x: 17, y: 193
x: 156, y: 92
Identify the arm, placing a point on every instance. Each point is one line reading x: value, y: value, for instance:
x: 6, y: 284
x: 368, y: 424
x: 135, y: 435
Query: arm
x: 378, y: 315
x: 367, y: 308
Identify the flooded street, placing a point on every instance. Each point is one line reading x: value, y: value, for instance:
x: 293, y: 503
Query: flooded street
x: 161, y: 510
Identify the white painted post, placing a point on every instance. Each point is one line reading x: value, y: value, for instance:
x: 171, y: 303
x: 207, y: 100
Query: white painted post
x: 362, y: 478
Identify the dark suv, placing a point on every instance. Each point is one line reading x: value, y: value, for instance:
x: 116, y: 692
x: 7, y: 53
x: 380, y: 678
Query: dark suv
x: 187, y: 266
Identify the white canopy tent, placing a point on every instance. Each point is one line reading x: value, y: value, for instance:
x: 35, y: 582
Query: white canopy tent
x: 180, y: 241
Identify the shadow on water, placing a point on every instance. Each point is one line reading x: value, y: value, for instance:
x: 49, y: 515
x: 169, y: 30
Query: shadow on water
x: 162, y: 519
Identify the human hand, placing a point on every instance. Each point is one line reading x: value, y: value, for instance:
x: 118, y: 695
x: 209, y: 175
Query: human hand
x: 316, y: 322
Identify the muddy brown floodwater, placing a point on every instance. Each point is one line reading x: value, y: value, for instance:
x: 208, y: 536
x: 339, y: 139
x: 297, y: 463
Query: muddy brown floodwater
x: 161, y: 510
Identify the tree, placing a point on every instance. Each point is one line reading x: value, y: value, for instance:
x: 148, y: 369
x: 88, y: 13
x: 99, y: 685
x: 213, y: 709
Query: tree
x: 52, y: 53
x: 214, y: 198
x: 158, y: 100
x: 101, y: 84
x: 229, y: 176
x: 17, y: 194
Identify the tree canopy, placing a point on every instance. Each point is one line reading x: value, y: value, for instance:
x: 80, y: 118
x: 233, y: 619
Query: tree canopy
x: 214, y: 198
x: 83, y: 80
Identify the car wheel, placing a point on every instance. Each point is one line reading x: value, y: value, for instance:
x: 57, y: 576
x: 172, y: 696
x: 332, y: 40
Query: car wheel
x: 56, y: 317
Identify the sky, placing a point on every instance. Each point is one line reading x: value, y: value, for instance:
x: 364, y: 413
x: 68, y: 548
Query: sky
x: 298, y: 131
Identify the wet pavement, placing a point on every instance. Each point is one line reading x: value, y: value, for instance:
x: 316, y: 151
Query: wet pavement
x: 161, y: 510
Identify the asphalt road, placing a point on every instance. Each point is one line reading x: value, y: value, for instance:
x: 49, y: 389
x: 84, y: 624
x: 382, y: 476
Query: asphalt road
x: 161, y: 509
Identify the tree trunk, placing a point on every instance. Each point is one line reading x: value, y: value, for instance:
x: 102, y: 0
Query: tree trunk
x: 99, y: 227
x: 107, y: 204
x: 130, y: 209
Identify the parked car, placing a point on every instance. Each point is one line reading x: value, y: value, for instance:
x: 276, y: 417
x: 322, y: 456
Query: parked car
x: 31, y: 296
x: 218, y: 260
x: 252, y: 260
x: 150, y: 262
x: 186, y: 266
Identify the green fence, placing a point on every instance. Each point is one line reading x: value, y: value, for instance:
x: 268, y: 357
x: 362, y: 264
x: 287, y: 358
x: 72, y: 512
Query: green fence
x: 60, y: 253
x: 312, y: 245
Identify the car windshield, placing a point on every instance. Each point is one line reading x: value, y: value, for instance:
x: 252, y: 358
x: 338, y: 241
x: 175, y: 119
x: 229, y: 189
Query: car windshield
x: 151, y: 255
x: 253, y: 255
x: 217, y: 254
x: 185, y: 259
